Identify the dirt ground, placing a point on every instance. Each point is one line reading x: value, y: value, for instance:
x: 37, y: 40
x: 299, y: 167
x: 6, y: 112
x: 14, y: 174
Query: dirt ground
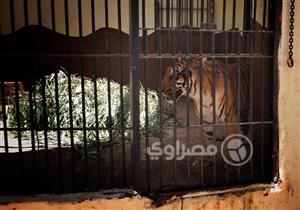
x: 58, y: 172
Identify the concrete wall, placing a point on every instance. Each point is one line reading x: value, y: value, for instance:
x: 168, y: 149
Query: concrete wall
x: 285, y: 195
x: 5, y: 15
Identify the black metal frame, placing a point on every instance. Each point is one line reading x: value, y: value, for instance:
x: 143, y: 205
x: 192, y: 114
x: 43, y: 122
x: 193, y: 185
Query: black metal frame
x: 137, y: 54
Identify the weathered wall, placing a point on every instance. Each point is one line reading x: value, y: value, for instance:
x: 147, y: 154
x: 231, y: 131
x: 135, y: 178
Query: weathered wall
x: 5, y: 15
x: 285, y: 196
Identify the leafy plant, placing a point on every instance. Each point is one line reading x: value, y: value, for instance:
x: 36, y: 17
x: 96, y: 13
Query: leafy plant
x: 110, y: 116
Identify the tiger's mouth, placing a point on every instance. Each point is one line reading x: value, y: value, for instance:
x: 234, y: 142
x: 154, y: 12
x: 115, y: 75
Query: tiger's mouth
x: 168, y: 97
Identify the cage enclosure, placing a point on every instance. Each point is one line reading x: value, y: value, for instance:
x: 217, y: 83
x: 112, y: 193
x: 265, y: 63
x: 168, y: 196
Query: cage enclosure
x: 155, y: 95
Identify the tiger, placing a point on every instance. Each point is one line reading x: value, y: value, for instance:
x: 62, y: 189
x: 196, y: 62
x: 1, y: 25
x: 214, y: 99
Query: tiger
x: 199, y: 79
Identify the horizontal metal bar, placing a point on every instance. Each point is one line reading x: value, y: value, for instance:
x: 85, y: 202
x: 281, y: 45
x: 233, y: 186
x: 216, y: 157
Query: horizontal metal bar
x: 165, y: 55
x: 220, y: 124
x: 221, y: 55
x: 77, y: 55
x: 107, y: 129
x: 184, y: 8
x: 205, y: 30
x: 66, y: 129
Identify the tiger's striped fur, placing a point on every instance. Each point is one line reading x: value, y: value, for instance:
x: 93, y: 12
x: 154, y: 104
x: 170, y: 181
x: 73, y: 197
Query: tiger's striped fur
x: 206, y: 81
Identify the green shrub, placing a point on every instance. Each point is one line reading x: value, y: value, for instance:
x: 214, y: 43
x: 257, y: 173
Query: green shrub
x: 104, y: 119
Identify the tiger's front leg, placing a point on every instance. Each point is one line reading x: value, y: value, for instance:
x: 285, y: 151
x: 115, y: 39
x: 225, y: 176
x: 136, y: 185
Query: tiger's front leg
x: 232, y: 120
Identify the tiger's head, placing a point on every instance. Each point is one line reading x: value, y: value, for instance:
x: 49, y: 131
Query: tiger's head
x: 177, y: 80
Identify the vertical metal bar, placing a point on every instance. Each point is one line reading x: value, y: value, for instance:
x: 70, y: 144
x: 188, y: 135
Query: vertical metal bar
x: 202, y: 12
x: 60, y: 179
x: 247, y: 26
x: 169, y: 42
x: 186, y: 13
x: 39, y: 15
x: 35, y: 105
x: 134, y: 86
x: 190, y: 38
x: 250, y: 8
x: 109, y: 94
x: 263, y: 90
x: 172, y: 15
x: 19, y: 133
x: 156, y: 15
x: 179, y: 16
x: 39, y: 11
x: 53, y: 15
x: 191, y: 13
x: 17, y: 101
x: 212, y: 11
x: 247, y: 15
x: 276, y: 26
x: 254, y: 15
x: 174, y: 108
x: 214, y: 100
x: 66, y: 2
x: 252, y: 37
x: 96, y: 92
x: 264, y: 15
x: 262, y: 117
x: 239, y: 94
x: 168, y: 14
x: 86, y: 172
x: 12, y: 16
x: 197, y: 13
x: 226, y: 95
x: 58, y: 134
x: 157, y: 23
x: 161, y: 180
x: 188, y: 108
x: 234, y: 13
x: 201, y: 72
x: 187, y: 74
x: 224, y: 22
x: 224, y: 15
x: 233, y: 47
x: 161, y: 13
x: 32, y: 128
x: 31, y: 111
x: 121, y: 96
x: 251, y: 113
x: 146, y: 90
x: 66, y: 11
x: 271, y: 14
x: 4, y: 120
x: 207, y: 11
x: 45, y: 127
x: 25, y: 7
